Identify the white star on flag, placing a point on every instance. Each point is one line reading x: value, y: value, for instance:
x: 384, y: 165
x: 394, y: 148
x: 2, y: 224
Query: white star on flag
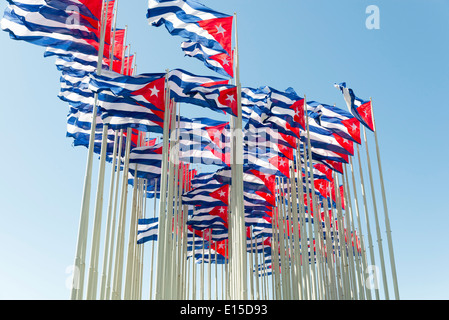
x: 154, y: 91
x: 222, y: 193
x: 222, y: 210
x: 230, y: 98
x: 220, y: 30
x: 226, y: 61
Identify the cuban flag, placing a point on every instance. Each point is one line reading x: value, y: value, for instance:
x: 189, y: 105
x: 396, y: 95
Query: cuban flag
x: 220, y: 62
x: 145, y: 162
x: 337, y: 120
x: 147, y: 230
x: 208, y: 32
x: 221, y: 98
x: 361, y: 109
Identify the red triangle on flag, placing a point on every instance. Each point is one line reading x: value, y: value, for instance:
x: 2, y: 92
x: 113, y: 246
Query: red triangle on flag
x: 222, y: 212
x: 154, y: 93
x: 228, y: 97
x: 289, y: 139
x: 345, y: 143
x: 366, y: 113
x: 269, y: 197
x: 226, y: 62
x: 221, y: 194
x: 286, y: 151
x: 295, y: 130
x: 268, y: 179
x: 335, y: 165
x: 282, y: 164
x: 220, y: 29
x: 324, y: 169
x: 298, y: 107
x: 353, y: 126
x: 215, y: 133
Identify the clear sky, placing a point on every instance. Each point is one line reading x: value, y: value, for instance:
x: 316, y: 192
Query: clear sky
x: 306, y: 45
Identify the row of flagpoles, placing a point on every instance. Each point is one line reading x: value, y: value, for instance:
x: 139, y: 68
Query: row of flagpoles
x: 309, y: 242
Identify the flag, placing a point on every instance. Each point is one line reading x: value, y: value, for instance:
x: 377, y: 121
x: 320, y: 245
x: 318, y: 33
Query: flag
x: 219, y: 62
x: 337, y: 120
x: 222, y: 98
x: 361, y: 109
x: 182, y: 82
x: 145, y: 162
x: 193, y: 21
x: 147, y: 230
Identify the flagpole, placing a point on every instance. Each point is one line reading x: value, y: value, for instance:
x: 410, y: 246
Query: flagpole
x: 114, y: 214
x: 95, y: 244
x: 387, y: 220
x: 163, y: 199
x: 357, y: 279
x: 153, y: 243
x: 109, y: 219
x: 310, y: 208
x: 294, y: 193
x: 301, y: 218
x: 238, y: 244
x: 79, y: 268
x: 348, y: 220
x: 368, y: 228
x: 303, y: 229
x: 359, y: 224
x: 379, y: 238
x: 118, y: 270
x: 130, y: 260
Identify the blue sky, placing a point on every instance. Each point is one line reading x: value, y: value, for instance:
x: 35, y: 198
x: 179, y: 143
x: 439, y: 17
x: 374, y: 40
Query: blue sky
x: 306, y: 45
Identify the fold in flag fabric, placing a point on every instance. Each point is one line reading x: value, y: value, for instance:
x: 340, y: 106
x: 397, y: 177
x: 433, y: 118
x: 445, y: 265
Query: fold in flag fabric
x: 37, y: 22
x: 208, y: 32
x: 131, y: 101
x: 147, y: 230
x: 361, y: 109
x: 181, y: 82
x: 218, y: 97
x: 145, y: 162
x: 337, y: 120
x: 147, y: 89
x: 288, y: 106
x: 219, y: 62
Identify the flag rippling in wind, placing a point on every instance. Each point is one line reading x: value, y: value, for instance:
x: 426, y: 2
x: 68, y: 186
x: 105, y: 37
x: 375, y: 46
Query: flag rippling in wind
x: 208, y: 33
x: 361, y: 109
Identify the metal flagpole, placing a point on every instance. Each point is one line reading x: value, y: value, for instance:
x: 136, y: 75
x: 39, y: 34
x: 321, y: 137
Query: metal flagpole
x: 359, y: 224
x: 163, y: 198
x: 153, y: 242
x: 347, y: 219
x: 368, y: 228
x: 118, y: 270
x: 387, y: 220
x: 168, y: 272
x: 379, y: 238
x: 80, y: 257
x: 131, y: 240
x: 114, y: 214
x: 310, y: 205
x: 295, y: 222
x: 357, y: 279
x: 95, y: 244
x: 109, y: 220
x: 108, y: 223
x: 303, y: 229
x: 238, y: 245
